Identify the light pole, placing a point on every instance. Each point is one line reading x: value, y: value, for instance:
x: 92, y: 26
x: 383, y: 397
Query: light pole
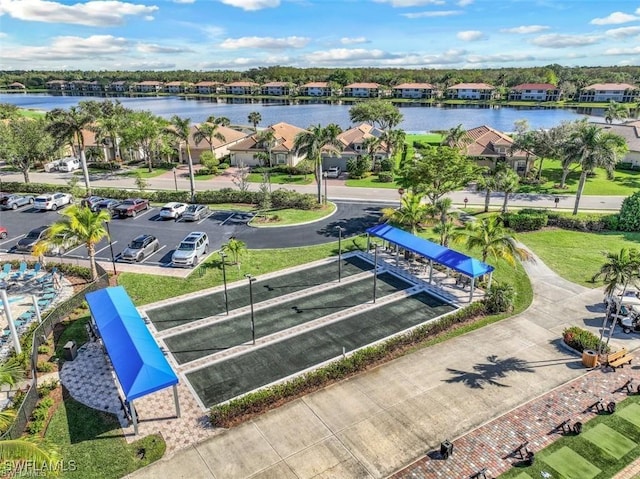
x: 113, y: 258
x: 223, y: 257
x: 175, y: 178
x: 324, y: 177
x: 253, y: 325
x: 339, y: 228
x: 401, y: 193
x: 375, y: 271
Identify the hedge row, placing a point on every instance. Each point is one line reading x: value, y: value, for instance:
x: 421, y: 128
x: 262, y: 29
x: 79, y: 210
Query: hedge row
x: 531, y: 219
x: 581, y: 339
x: 525, y: 222
x: 224, y: 415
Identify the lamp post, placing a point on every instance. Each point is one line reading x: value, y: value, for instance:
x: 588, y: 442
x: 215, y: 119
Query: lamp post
x: 466, y: 200
x: 375, y: 271
x: 113, y: 258
x: 175, y: 178
x: 339, y: 228
x: 401, y: 193
x: 253, y: 326
x: 324, y: 177
x: 223, y: 257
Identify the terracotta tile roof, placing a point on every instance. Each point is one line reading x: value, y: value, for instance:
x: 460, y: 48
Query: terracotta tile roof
x: 427, y: 86
x: 242, y: 83
x: 611, y: 86
x: 208, y: 83
x: 483, y: 139
x: 535, y: 86
x: 363, y: 85
x: 16, y: 84
x: 472, y: 86
x: 284, y: 133
x: 149, y: 83
x: 315, y: 84
x: 357, y: 135
x: 178, y: 83
x: 629, y: 130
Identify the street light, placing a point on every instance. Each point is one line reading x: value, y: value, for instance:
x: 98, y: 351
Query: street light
x: 113, y: 258
x: 466, y: 200
x: 340, y: 229
x: 253, y: 325
x: 223, y: 257
x: 375, y: 271
x: 175, y: 178
x: 324, y: 176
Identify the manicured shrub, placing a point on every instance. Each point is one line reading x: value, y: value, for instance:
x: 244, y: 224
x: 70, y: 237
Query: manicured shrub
x: 500, y: 298
x: 385, y: 177
x: 581, y: 339
x: 359, y: 167
x: 525, y: 222
x: 386, y: 164
x: 630, y: 213
x: 282, y: 198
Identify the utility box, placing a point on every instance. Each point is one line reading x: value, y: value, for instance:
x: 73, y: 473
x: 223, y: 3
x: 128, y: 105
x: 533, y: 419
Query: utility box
x: 70, y: 351
x: 446, y: 449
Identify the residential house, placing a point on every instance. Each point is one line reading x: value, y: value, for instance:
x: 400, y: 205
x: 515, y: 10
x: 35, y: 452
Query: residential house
x: 208, y: 87
x: 16, y: 86
x: 604, y: 92
x: 119, y: 86
x: 242, y: 88
x: 58, y: 85
x: 471, y: 91
x: 363, y: 90
x: 220, y: 147
x: 414, y: 90
x: 148, y: 86
x: 354, y: 146
x: 630, y: 131
x: 535, y: 92
x: 77, y: 85
x: 178, y: 87
x: 319, y: 88
x: 282, y: 152
x: 277, y: 88
x: 95, y: 86
x: 489, y: 146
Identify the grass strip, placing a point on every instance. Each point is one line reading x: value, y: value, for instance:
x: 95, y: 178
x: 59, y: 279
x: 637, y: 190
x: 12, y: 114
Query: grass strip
x: 610, y: 441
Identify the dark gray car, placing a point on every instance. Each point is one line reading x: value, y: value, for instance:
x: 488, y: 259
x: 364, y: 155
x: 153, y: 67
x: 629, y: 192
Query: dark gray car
x: 140, y: 247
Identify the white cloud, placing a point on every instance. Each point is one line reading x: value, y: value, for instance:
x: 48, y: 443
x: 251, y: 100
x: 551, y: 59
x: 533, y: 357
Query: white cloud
x: 184, y: 1
x: 622, y: 51
x: 501, y: 58
x: 337, y: 55
x: 3, y: 35
x: 623, y: 32
x: 464, y: 3
x: 235, y: 63
x: 556, y: 40
x: 154, y: 48
x: 252, y: 5
x: 523, y: 29
x: 471, y: 36
x: 158, y: 66
x: 70, y: 47
x: 353, y: 40
x: 439, y: 13
x: 93, y: 13
x: 614, y: 19
x: 410, y: 3
x: 265, y: 42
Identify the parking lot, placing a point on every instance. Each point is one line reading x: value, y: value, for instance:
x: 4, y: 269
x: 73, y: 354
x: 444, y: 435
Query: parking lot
x: 219, y: 225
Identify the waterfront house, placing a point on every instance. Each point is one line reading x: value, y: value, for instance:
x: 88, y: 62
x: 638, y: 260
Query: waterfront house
x: 77, y: 85
x: 630, y: 131
x: 56, y: 85
x: 178, y: 87
x: 471, y: 91
x: 208, y: 87
x: 119, y: 86
x: 604, y: 92
x: 148, y: 86
x: 318, y: 88
x: 535, y: 92
x: 354, y: 141
x: 16, y: 86
x: 276, y: 88
x: 230, y: 137
x: 363, y: 90
x: 242, y: 88
x: 414, y: 90
x: 282, y: 151
x: 489, y: 146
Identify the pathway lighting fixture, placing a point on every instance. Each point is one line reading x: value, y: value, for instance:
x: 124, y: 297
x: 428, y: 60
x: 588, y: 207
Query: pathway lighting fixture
x: 253, y: 326
x: 113, y: 258
x: 175, y: 178
x: 223, y: 257
x: 340, y: 230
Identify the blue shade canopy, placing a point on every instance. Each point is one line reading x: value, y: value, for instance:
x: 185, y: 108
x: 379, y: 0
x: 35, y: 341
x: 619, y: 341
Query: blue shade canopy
x: 447, y: 257
x: 140, y: 365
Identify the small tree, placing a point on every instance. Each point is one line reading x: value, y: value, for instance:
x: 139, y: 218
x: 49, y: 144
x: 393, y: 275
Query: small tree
x: 210, y: 162
x: 264, y: 200
x: 141, y: 182
x: 500, y: 298
x: 75, y: 189
x: 630, y: 213
x: 236, y: 249
x: 241, y: 177
x: 359, y: 167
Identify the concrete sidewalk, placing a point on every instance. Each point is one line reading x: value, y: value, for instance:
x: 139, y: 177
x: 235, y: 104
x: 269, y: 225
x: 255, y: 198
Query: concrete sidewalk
x: 378, y: 422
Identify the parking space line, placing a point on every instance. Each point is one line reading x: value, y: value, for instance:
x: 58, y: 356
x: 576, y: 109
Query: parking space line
x: 228, y: 218
x: 206, y: 218
x: 73, y: 249
x: 12, y: 239
x: 155, y: 252
x: 102, y: 249
x: 141, y: 215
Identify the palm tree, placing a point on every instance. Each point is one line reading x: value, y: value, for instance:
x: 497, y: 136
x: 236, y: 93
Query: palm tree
x: 208, y: 132
x: 254, y: 118
x: 143, y: 130
x: 526, y: 142
x: 615, y: 111
x: 620, y: 268
x: 507, y: 181
x: 413, y: 212
x: 110, y: 120
x: 68, y: 125
x: 180, y: 128
x: 592, y: 147
x: 236, y: 248
x: 492, y: 238
x: 445, y: 231
x: 81, y: 225
x: 267, y: 140
x: 487, y: 182
x: 393, y: 139
x: 550, y: 143
x: 456, y: 137
x: 311, y: 142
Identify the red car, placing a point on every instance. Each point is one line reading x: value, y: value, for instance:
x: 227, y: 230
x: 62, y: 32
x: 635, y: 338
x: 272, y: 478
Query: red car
x: 131, y: 207
x: 3, y: 232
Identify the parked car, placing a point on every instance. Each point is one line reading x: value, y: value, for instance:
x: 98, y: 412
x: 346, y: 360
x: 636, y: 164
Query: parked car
x: 91, y: 201
x: 172, y: 210
x: 60, y: 245
x: 333, y: 172
x: 131, y: 207
x: 191, y: 249
x: 69, y: 164
x: 3, y: 232
x: 13, y: 202
x: 52, y: 201
x: 107, y: 204
x: 28, y: 243
x: 140, y: 247
x: 195, y: 212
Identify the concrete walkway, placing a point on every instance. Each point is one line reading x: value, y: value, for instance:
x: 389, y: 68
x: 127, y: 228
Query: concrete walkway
x: 377, y: 423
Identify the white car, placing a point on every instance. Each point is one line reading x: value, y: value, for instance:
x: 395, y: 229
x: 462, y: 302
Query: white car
x: 52, y: 201
x: 69, y: 164
x: 172, y: 210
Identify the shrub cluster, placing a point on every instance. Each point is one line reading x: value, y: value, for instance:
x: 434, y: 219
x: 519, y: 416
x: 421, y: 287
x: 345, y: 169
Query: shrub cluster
x: 282, y: 198
x: 524, y: 221
x: 40, y: 415
x: 259, y: 401
x: 530, y: 219
x: 385, y: 177
x: 581, y: 339
x: 630, y: 213
x: 104, y: 165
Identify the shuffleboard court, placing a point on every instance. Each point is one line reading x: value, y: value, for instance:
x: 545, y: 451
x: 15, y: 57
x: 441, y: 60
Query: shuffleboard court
x: 211, y: 304
x: 209, y: 339
x: 240, y: 374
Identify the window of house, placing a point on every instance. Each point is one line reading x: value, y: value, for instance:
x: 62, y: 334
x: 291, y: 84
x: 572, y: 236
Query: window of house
x: 281, y: 159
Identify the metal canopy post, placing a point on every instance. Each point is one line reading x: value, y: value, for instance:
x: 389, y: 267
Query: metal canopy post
x: 430, y: 271
x: 134, y: 417
x: 12, y: 326
x: 473, y: 283
x: 36, y: 308
x: 176, y: 400
x: 490, y: 278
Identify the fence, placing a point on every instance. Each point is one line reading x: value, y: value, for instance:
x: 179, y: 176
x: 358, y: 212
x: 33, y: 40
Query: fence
x: 40, y: 334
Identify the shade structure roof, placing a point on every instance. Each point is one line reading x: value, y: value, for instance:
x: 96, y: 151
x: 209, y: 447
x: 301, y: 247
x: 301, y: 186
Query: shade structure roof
x: 447, y: 257
x: 137, y: 360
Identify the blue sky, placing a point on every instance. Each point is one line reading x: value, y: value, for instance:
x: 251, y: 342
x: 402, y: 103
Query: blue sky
x: 243, y: 34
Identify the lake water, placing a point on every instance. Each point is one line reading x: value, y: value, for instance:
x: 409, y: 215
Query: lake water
x: 417, y: 118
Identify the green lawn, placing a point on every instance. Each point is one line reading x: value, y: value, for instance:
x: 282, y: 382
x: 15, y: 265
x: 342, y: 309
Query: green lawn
x: 282, y: 179
x: 575, y: 255
x: 430, y: 138
x: 32, y: 113
x: 372, y: 182
x: 290, y: 216
x: 144, y: 172
x: 625, y: 182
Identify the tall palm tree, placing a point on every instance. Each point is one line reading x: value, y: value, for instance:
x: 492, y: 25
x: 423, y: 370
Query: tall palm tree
x: 208, y: 132
x: 110, y: 120
x: 143, y: 131
x: 550, y: 143
x: 81, y: 225
x: 592, y: 147
x: 254, y: 118
x: 69, y: 125
x: 311, y: 142
x: 507, y: 181
x: 619, y: 269
x: 445, y: 231
x: 413, y: 212
x: 492, y: 238
x: 615, y: 111
x: 487, y: 182
x: 267, y: 140
x: 393, y: 139
x: 180, y: 128
x: 456, y: 137
x: 526, y: 142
